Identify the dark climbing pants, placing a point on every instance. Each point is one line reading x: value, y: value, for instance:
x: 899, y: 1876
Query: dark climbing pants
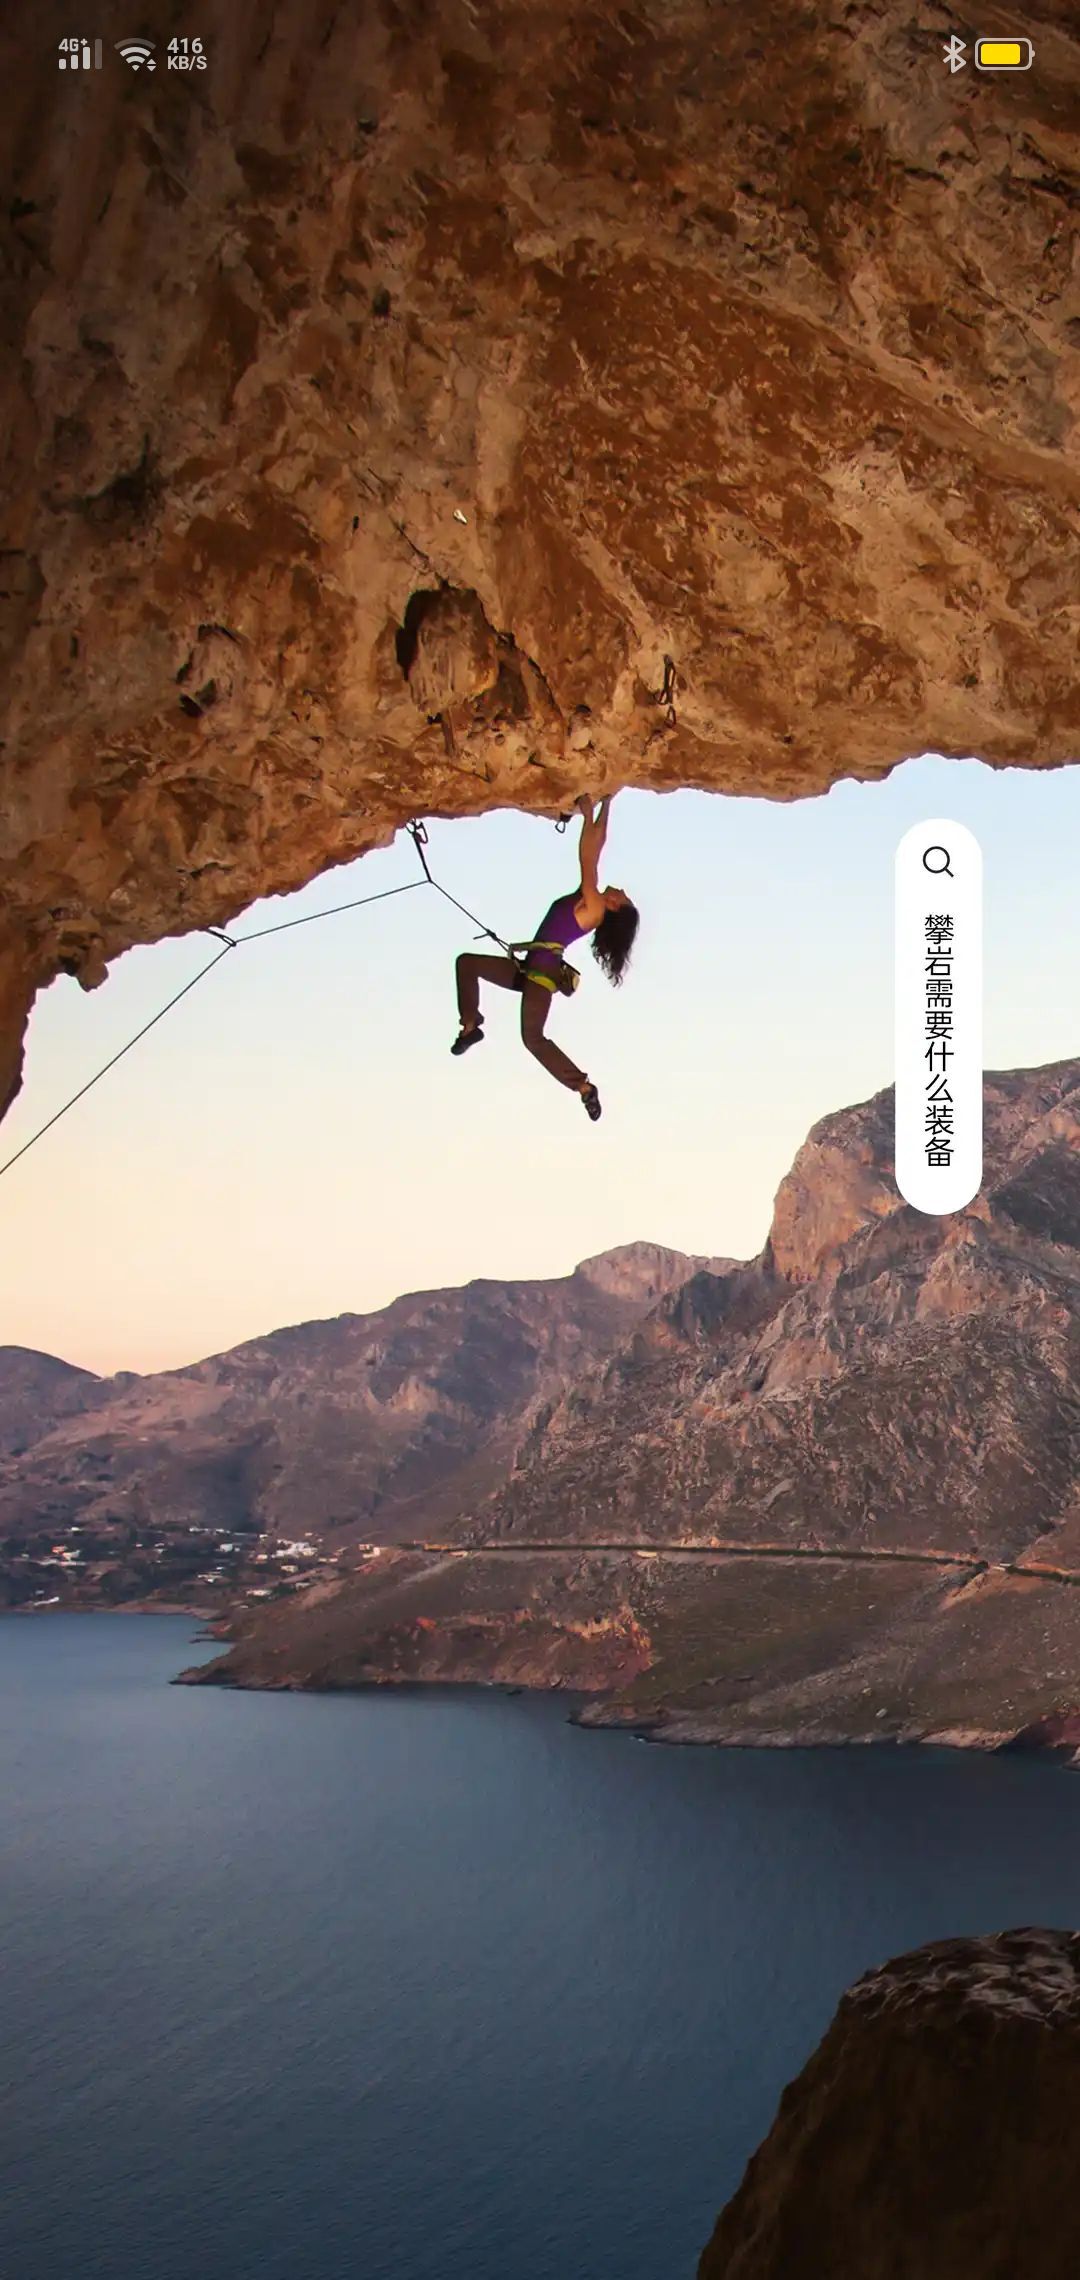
x: 535, y: 1008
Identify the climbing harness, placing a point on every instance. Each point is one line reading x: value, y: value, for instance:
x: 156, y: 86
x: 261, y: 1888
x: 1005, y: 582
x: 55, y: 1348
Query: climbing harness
x: 565, y: 979
x: 418, y: 834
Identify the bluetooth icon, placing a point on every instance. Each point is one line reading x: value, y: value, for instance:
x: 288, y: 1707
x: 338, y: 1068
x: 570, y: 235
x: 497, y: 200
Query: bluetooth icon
x: 954, y: 54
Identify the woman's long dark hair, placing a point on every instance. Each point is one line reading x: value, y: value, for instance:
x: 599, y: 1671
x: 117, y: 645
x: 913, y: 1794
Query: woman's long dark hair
x: 614, y: 940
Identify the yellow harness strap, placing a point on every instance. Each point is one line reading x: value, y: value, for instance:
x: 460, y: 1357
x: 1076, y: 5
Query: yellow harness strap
x: 545, y: 980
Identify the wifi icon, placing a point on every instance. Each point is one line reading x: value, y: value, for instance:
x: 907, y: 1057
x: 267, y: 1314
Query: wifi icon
x: 137, y: 53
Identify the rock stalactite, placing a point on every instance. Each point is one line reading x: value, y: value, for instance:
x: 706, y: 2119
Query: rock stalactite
x: 538, y: 343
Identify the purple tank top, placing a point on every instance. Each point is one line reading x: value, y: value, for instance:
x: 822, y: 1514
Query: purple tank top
x: 558, y: 925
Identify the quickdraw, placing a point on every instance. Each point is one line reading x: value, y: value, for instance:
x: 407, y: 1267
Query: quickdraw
x: 418, y: 834
x: 667, y: 693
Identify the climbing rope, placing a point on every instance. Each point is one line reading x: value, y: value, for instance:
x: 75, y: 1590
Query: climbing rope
x: 486, y: 934
x: 91, y: 1081
x: 418, y: 834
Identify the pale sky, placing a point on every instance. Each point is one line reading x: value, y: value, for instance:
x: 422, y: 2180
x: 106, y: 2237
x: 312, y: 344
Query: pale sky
x: 294, y: 1140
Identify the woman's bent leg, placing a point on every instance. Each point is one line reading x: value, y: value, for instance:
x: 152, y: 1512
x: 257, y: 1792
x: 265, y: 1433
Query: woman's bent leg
x: 471, y: 971
x: 535, y: 1008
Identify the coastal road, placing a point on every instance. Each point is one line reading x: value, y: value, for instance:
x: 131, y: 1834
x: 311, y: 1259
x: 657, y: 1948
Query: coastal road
x: 971, y: 1565
x: 696, y: 1552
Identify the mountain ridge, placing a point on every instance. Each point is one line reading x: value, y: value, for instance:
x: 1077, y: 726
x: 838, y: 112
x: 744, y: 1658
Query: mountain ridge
x: 830, y: 1493
x: 312, y: 1429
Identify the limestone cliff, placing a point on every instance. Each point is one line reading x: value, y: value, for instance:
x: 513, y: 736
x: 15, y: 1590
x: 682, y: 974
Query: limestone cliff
x: 877, y: 1380
x: 383, y: 406
x: 934, y: 2133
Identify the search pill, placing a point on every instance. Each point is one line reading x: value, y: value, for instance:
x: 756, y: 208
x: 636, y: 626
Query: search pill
x: 939, y: 1014
x: 1004, y: 55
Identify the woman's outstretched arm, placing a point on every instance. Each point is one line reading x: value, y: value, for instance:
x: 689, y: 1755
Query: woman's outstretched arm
x: 593, y: 835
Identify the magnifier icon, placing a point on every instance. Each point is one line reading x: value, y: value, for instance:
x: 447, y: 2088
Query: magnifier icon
x: 937, y: 869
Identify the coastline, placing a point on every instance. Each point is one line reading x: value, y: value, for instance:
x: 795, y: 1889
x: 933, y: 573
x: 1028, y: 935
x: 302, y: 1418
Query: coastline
x: 604, y: 1707
x: 127, y: 1607
x: 596, y: 1714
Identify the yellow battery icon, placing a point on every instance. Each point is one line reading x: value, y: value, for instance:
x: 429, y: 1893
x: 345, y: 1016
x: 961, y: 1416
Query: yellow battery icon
x: 1004, y: 55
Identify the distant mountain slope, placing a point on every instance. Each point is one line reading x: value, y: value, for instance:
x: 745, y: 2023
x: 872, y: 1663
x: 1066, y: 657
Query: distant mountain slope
x: 876, y: 1379
x: 36, y: 1392
x: 833, y: 1492
x: 324, y: 1429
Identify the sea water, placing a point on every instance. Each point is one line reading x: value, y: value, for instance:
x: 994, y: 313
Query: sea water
x: 432, y: 1985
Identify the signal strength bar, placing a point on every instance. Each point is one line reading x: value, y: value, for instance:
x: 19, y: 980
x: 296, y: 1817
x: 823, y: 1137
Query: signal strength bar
x: 75, y: 55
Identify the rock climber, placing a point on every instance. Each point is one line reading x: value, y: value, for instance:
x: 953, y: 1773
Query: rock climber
x: 606, y: 913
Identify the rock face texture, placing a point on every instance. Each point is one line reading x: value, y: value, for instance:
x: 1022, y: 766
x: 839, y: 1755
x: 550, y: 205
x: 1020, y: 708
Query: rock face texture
x: 832, y: 1494
x: 932, y: 2134
x: 370, y: 1423
x: 384, y: 405
x: 878, y: 1379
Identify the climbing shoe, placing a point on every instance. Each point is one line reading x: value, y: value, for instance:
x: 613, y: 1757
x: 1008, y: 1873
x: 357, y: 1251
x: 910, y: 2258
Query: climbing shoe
x: 591, y: 1098
x: 467, y: 1037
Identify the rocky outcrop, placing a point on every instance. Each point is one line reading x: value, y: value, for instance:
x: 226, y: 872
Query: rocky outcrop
x: 877, y: 1380
x: 435, y: 1621
x: 382, y: 413
x: 836, y: 1489
x: 397, y: 1420
x: 933, y: 2134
